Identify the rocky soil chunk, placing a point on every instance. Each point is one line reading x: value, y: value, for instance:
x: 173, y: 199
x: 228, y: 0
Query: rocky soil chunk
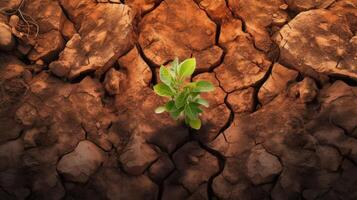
x: 216, y: 9
x: 10, y: 154
x: 47, y: 183
x: 278, y: 81
x: 243, y: 65
x: 112, y: 81
x: 348, y: 9
x: 161, y: 168
x: 200, y: 194
x: 258, y: 17
x: 98, y: 44
x: 306, y: 90
x: 13, y: 87
x: 48, y: 46
x: 348, y: 176
x: 108, y: 1
x: 183, y: 35
x: 10, y: 129
x: 304, y: 5
x: 262, y: 166
x: 80, y: 164
x: 117, y: 185
x: 175, y: 192
x: 137, y: 156
x: 11, y: 175
x: 194, y: 166
x: 10, y: 4
x: 230, y: 30
x: 48, y: 14
x: 208, y: 58
x: 68, y: 30
x: 7, y: 41
x: 12, y: 83
x: 242, y: 101
x: 327, y: 44
x: 142, y: 6
x: 330, y: 158
x: 233, y: 142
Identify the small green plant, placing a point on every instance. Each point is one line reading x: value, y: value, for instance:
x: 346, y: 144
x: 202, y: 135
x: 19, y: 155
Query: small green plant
x: 184, y: 95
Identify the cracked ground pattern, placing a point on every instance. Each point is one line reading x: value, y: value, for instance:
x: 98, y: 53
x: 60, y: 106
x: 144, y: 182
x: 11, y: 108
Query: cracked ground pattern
x: 77, y: 107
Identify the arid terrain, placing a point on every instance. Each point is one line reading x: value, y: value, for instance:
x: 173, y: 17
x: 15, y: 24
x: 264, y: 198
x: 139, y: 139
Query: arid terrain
x: 77, y: 106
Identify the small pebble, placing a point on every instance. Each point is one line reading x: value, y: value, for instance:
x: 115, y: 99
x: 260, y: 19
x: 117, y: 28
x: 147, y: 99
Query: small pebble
x: 284, y: 6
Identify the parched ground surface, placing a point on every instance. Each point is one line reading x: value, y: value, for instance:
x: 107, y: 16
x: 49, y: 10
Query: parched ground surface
x: 77, y: 107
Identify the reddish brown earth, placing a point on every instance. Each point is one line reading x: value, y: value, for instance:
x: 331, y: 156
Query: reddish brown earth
x: 77, y: 107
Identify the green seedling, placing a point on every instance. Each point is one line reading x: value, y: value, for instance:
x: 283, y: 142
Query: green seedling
x: 184, y: 95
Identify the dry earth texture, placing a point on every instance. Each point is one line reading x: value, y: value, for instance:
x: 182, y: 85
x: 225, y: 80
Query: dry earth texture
x: 77, y: 107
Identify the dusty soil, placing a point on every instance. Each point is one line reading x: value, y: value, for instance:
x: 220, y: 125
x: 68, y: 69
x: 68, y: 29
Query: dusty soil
x: 77, y: 107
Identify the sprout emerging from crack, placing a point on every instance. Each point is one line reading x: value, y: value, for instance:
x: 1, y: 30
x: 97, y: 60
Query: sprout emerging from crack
x: 184, y: 96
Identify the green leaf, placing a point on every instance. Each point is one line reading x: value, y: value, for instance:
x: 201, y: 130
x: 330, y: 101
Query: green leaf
x: 195, y: 107
x: 163, y: 90
x: 203, y: 86
x: 192, y: 110
x: 160, y: 109
x: 202, y: 102
x: 181, y: 99
x: 165, y: 75
x: 170, y: 106
x: 187, y: 67
x: 195, y: 123
x: 176, y: 113
x: 175, y: 66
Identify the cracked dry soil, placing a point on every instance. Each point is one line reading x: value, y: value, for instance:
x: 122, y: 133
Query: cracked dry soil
x: 77, y: 107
